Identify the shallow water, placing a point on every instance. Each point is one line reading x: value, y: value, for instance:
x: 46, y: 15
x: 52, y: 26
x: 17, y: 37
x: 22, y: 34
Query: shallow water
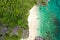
x: 49, y: 21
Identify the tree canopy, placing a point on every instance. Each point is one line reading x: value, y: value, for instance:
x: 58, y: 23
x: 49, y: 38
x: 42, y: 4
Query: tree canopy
x: 14, y: 13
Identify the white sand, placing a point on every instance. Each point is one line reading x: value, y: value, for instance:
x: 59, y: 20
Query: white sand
x: 32, y: 23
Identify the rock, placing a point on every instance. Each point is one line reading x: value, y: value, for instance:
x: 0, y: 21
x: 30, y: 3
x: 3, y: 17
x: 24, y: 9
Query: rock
x: 3, y: 31
x: 14, y: 30
x: 42, y: 2
x: 39, y: 38
x: 25, y: 34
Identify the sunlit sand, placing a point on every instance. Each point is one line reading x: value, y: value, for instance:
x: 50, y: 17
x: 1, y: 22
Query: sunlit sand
x: 32, y: 22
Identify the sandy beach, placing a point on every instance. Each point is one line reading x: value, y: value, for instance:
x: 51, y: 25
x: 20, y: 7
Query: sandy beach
x: 32, y: 23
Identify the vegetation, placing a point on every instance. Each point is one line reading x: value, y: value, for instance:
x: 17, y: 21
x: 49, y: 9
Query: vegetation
x: 14, y: 13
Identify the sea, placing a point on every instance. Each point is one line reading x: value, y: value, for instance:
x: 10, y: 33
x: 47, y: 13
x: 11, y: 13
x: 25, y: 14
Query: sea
x: 49, y: 20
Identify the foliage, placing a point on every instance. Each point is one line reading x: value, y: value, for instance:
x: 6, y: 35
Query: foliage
x: 15, y: 13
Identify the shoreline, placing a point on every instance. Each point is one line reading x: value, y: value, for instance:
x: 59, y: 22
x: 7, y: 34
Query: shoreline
x: 32, y: 23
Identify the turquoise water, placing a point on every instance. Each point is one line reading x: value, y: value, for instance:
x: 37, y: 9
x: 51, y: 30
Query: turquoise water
x: 49, y: 20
